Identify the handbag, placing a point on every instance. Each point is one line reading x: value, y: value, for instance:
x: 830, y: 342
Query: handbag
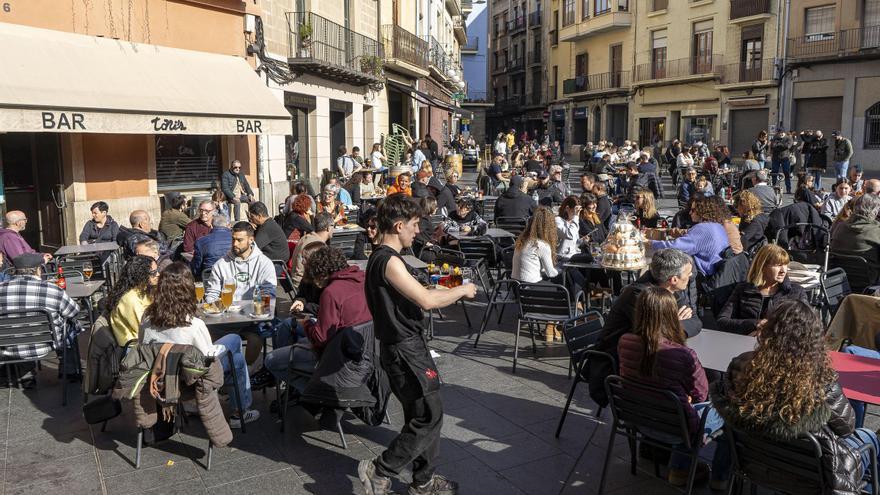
x: 101, y: 409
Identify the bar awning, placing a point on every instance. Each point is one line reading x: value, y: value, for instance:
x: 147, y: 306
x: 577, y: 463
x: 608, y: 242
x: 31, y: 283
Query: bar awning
x: 54, y: 81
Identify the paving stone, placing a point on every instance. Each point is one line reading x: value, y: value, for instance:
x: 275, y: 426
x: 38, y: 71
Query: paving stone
x: 153, y: 478
x: 77, y: 473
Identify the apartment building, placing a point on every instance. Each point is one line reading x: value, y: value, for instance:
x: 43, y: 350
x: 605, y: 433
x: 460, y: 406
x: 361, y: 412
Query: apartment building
x: 833, y: 72
x: 474, y: 61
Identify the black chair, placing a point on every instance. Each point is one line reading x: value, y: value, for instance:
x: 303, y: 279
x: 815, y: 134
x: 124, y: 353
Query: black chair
x: 514, y: 225
x: 637, y: 408
x: 542, y: 304
x: 503, y: 293
x: 580, y: 339
x: 807, y: 243
x: 859, y: 272
x: 834, y: 287
x: 792, y: 467
x: 479, y: 253
x: 285, y: 278
x: 33, y: 327
x: 486, y: 208
x: 345, y: 241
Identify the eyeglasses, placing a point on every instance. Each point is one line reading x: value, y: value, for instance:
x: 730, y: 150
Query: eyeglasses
x: 371, y: 227
x: 206, y: 211
x: 154, y: 273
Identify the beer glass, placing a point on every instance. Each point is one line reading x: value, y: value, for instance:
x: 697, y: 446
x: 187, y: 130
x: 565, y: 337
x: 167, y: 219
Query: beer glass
x: 87, y: 270
x: 200, y: 291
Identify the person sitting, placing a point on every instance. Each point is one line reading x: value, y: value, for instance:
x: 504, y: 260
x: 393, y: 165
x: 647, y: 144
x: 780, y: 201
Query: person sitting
x: 705, y: 241
x: 655, y: 353
x: 323, y: 232
x: 220, y: 205
x: 843, y: 216
x: 452, y: 183
x: 141, y: 230
x: 212, y: 247
x: 342, y: 194
x: 367, y: 240
x: 498, y: 178
x: 330, y: 204
x: 26, y: 290
x: 174, y: 220
x: 786, y: 387
x: 860, y: 234
x: 244, y: 257
x: 465, y: 219
x: 547, y: 195
x: 12, y: 244
x: 366, y: 186
x: 714, y: 209
x: 200, y: 227
x: 806, y: 192
x: 420, y: 186
x: 604, y: 206
x: 854, y: 176
x: 342, y: 304
x: 628, y: 181
x: 534, y: 164
x: 172, y: 318
x: 236, y: 189
x: 703, y: 187
x: 682, y: 218
x: 767, y: 285
x: 557, y: 182
x: 514, y: 202
x: 765, y: 192
x: 401, y: 185
x: 569, y: 242
x: 298, y: 189
x: 101, y: 228
x: 753, y: 220
x: 298, y: 221
x: 835, y: 201
x: 646, y: 213
x: 130, y: 296
x: 589, y: 224
x: 269, y: 236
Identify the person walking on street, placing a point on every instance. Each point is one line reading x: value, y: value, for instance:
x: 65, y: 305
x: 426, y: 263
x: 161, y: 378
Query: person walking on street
x: 235, y: 186
x: 780, y: 147
x: 815, y: 157
x: 397, y: 302
x: 843, y: 151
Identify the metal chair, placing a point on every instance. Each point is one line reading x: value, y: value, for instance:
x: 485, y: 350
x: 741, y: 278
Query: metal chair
x: 859, y: 272
x: 580, y: 340
x: 505, y: 286
x: 285, y: 278
x: 514, y: 225
x: 639, y: 408
x: 345, y: 242
x: 791, y: 467
x: 479, y: 253
x: 817, y: 237
x: 486, y: 208
x: 542, y: 304
x: 834, y: 287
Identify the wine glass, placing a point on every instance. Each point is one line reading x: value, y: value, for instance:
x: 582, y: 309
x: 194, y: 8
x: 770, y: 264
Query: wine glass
x: 87, y: 270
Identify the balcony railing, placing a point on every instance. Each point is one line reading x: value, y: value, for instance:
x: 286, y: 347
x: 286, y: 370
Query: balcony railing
x: 322, y: 46
x: 534, y: 57
x: 758, y: 70
x: 683, y: 67
x: 848, y: 42
x: 517, y: 24
x: 437, y: 56
x: 405, y: 46
x: 746, y: 8
x: 535, y: 19
x: 516, y: 64
x: 511, y: 103
x: 473, y: 44
x: 605, y: 81
x: 477, y: 96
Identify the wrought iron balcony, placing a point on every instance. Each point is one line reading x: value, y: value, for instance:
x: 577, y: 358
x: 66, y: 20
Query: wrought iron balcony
x: 604, y: 82
x: 438, y: 59
x: 709, y: 67
x: 516, y: 64
x: 472, y: 45
x: 321, y: 46
x: 836, y: 44
x: 743, y: 72
x: 535, y: 19
x: 512, y: 103
x: 516, y: 25
x: 476, y: 97
x: 748, y: 8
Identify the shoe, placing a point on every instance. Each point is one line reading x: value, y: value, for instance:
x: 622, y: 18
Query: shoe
x: 679, y: 477
x: 250, y: 416
x: 262, y: 379
x: 718, y: 485
x: 373, y: 483
x: 438, y: 485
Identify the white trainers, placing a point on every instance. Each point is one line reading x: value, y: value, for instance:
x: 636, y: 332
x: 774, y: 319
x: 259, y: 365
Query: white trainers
x: 250, y: 416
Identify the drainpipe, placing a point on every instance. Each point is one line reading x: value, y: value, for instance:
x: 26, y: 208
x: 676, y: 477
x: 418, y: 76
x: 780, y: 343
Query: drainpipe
x: 782, y: 71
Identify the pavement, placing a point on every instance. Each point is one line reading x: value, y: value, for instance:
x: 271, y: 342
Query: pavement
x: 498, y: 435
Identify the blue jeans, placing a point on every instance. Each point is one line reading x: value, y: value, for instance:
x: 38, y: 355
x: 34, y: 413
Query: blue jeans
x: 785, y: 165
x: 858, y: 438
x: 817, y: 179
x: 232, y: 342
x: 721, y: 459
x: 857, y: 405
x: 841, y: 169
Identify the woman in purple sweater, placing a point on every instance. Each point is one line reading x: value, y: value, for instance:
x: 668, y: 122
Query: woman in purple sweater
x: 705, y: 241
x: 656, y: 354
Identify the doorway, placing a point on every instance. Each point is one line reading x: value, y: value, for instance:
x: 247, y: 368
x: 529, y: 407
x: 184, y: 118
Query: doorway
x: 337, y: 132
x: 597, y: 124
x: 31, y: 171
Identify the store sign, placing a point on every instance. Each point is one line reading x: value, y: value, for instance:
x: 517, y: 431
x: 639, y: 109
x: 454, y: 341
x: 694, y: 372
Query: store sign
x: 558, y: 114
x: 580, y: 113
x: 28, y: 120
x: 546, y: 114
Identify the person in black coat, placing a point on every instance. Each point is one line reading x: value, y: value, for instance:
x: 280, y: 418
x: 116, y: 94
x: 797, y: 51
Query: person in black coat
x: 515, y: 202
x: 753, y: 220
x: 603, y: 203
x: 589, y: 223
x: 789, y: 215
x: 815, y: 151
x: 445, y: 196
x: 101, y: 228
x: 234, y: 185
x: 368, y: 237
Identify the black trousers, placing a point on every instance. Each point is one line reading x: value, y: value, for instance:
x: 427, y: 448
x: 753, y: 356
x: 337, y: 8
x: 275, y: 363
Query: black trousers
x: 415, y: 382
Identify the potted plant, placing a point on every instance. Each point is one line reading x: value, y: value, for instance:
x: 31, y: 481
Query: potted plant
x: 371, y: 64
x: 305, y: 39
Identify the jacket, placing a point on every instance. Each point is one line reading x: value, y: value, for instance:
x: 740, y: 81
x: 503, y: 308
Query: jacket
x: 676, y: 368
x: 295, y: 221
x: 859, y: 236
x: 92, y: 234
x: 705, y: 241
x: 397, y: 187
x: 780, y: 147
x: 751, y: 233
x: 129, y: 237
x: 766, y: 195
x: 272, y: 241
x: 731, y: 270
x: 829, y: 422
x: 102, y: 359
x: 420, y: 190
x: 514, y: 203
x: 817, y: 152
x: 843, y: 150
x: 13, y: 244
x: 743, y: 308
x: 172, y: 223
x: 759, y: 149
x: 343, y: 303
x: 227, y: 184
x: 194, y: 231
x: 187, y: 374
x: 604, y: 210
x: 297, y: 257
x: 548, y: 195
x: 210, y: 249
x: 445, y: 198
x: 256, y: 271
x: 790, y: 215
x: 856, y: 319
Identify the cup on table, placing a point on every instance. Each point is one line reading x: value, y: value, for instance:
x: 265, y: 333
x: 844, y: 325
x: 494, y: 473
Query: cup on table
x: 87, y: 270
x: 226, y: 296
x: 200, y: 291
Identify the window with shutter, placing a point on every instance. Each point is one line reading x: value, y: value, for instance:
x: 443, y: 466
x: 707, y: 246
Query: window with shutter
x: 819, y: 23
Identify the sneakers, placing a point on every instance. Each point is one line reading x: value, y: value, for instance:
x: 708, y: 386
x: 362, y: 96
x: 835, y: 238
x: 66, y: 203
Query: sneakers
x: 262, y: 379
x: 679, y: 477
x: 438, y: 485
x: 373, y: 483
x: 250, y: 416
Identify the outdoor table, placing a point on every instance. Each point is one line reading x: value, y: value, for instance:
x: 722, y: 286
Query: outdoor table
x: 858, y: 376
x: 240, y: 317
x: 98, y: 247
x: 716, y: 349
x: 84, y: 291
x: 362, y: 264
x: 342, y: 230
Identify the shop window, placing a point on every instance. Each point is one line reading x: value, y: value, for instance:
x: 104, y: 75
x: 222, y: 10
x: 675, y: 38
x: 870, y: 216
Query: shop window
x: 187, y: 162
x: 872, y: 127
x: 699, y: 129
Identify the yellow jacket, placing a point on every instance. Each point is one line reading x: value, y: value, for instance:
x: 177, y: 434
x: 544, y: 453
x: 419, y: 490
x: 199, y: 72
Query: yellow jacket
x: 125, y: 318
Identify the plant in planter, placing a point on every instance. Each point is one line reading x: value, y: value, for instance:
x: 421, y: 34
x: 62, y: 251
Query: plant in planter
x: 371, y: 64
x: 305, y: 39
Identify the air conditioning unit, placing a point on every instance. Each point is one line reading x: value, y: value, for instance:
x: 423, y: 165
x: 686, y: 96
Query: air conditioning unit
x: 250, y: 23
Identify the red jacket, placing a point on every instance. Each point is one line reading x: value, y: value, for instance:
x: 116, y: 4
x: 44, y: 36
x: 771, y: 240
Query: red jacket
x: 343, y: 304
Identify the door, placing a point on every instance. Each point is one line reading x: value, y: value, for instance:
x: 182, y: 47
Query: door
x: 616, y: 65
x: 597, y: 124
x: 580, y: 72
x: 822, y: 114
x: 744, y: 128
x: 337, y: 134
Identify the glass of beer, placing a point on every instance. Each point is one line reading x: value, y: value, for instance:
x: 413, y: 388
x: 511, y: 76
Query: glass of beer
x: 87, y: 270
x: 226, y: 296
x: 200, y: 291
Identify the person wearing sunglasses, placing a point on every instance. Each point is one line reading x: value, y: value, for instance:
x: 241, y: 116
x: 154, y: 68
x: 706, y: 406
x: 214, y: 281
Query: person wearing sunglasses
x: 234, y: 185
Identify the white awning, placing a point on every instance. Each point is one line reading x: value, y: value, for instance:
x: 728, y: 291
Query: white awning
x: 52, y: 81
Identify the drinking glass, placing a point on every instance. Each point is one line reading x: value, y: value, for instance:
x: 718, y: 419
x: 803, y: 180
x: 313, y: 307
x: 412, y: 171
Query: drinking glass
x: 200, y: 291
x: 226, y: 296
x: 87, y: 270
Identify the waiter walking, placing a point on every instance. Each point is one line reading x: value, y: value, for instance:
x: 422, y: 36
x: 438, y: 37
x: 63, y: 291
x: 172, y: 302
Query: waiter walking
x: 397, y: 301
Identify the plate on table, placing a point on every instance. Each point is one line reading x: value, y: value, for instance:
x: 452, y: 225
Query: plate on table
x: 264, y: 316
x: 213, y: 309
x: 350, y: 226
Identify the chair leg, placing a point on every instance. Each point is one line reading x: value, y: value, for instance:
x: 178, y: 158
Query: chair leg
x: 607, y: 462
x: 235, y: 390
x: 599, y: 411
x: 467, y: 317
x: 63, y: 365
x: 516, y: 343
x: 656, y: 464
x: 341, y: 433
x: 692, y: 472
x: 567, y: 405
x: 633, y: 455
x: 484, y: 321
x: 210, y: 454
x: 532, y: 335
x: 140, y: 444
x: 104, y: 426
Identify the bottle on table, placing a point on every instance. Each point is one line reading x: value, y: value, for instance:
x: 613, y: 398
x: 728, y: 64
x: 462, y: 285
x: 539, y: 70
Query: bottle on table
x: 60, y: 280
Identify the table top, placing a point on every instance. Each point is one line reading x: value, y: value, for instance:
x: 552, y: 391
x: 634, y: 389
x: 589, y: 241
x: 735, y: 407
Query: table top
x: 858, y: 376
x: 79, y: 290
x: 414, y: 262
x: 98, y: 247
x: 716, y: 349
x: 353, y: 230
x: 238, y: 317
x: 362, y: 264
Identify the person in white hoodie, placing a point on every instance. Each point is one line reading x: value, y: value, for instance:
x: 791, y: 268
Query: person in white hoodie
x: 247, y: 268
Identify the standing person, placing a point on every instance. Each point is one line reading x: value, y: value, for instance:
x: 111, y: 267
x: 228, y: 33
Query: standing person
x: 760, y: 148
x: 780, y: 147
x: 378, y: 159
x: 433, y: 149
x: 235, y: 186
x: 843, y: 151
x: 101, y: 228
x: 397, y: 302
x: 816, y: 157
x: 345, y: 164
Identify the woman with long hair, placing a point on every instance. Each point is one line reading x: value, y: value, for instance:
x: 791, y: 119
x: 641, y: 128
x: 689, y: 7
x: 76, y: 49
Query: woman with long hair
x: 752, y: 219
x: 172, y: 318
x: 298, y: 222
x: 806, y: 191
x: 130, y: 297
x: 656, y: 353
x: 714, y: 209
x: 646, y: 212
x: 589, y: 223
x: 766, y: 286
x: 786, y: 387
x: 534, y: 252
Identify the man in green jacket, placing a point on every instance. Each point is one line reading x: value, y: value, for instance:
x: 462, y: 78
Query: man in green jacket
x: 859, y: 235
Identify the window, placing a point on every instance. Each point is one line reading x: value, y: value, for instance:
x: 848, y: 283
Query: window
x: 751, y: 53
x: 699, y: 129
x: 658, y: 54
x: 702, y: 47
x: 555, y: 82
x: 580, y: 65
x: 602, y: 7
x: 555, y: 34
x: 187, y: 160
x: 568, y: 12
x: 585, y: 9
x: 659, y: 5
x: 819, y: 23
x: 872, y: 127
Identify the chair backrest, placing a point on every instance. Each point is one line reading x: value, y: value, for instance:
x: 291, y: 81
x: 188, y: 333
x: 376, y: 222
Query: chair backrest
x: 435, y: 220
x: 580, y: 335
x: 649, y: 410
x: 787, y: 466
x: 859, y: 273
x: 807, y: 242
x: 345, y: 242
x: 487, y: 208
x: 478, y: 249
x: 835, y: 288
x: 25, y: 327
x: 514, y: 225
x: 544, y: 302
